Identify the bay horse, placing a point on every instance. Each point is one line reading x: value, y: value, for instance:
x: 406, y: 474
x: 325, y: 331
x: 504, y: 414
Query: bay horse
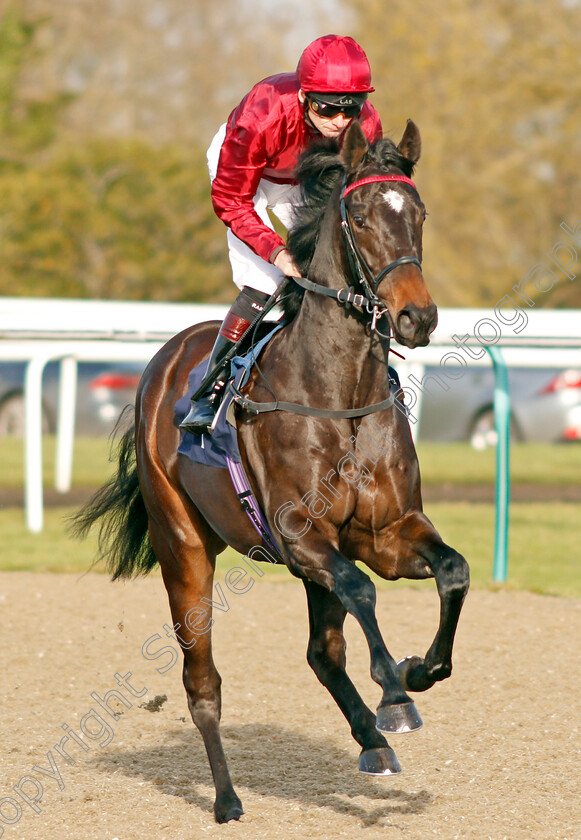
x: 326, y: 492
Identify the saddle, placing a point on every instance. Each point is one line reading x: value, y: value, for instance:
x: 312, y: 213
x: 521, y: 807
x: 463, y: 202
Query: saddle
x: 214, y: 450
x: 220, y: 449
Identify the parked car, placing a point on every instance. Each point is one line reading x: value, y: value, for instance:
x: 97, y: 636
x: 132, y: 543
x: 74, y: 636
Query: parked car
x: 103, y: 391
x: 545, y: 403
x: 545, y: 406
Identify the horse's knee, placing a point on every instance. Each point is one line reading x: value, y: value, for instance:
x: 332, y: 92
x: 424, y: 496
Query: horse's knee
x: 354, y: 588
x: 453, y: 575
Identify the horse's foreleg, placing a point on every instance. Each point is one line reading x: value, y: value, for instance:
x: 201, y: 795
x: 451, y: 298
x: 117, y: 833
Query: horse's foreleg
x: 188, y: 577
x: 326, y: 656
x: 418, y: 551
x: 452, y: 576
x: 318, y: 561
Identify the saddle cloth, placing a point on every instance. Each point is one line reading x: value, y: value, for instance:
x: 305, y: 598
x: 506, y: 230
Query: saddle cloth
x: 215, y: 449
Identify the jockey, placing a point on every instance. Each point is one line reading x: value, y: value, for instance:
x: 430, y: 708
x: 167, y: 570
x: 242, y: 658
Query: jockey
x: 251, y: 161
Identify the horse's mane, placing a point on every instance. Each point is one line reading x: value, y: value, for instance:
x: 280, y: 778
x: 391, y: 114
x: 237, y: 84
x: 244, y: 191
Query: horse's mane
x: 318, y: 172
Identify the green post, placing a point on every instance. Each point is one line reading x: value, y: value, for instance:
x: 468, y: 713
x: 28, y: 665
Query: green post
x: 502, y: 425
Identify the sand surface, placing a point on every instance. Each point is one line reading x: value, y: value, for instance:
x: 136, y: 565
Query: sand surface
x: 498, y: 756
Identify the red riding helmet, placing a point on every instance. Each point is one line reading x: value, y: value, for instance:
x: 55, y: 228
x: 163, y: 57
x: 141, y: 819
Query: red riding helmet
x: 334, y: 64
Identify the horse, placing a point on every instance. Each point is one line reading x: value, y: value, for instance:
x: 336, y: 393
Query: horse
x: 337, y: 483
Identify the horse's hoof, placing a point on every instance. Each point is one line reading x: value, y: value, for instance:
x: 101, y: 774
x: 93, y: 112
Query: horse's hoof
x: 379, y: 761
x: 226, y: 812
x: 404, y: 667
x: 398, y: 718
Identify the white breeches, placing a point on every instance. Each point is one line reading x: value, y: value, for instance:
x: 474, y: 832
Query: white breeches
x: 248, y: 269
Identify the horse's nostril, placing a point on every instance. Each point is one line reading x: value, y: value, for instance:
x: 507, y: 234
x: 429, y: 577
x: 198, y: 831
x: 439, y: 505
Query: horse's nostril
x: 405, y: 323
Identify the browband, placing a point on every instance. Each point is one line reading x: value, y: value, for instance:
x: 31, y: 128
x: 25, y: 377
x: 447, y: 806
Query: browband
x: 373, y: 179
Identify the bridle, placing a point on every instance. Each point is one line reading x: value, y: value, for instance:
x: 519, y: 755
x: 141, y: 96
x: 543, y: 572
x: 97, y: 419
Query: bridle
x: 368, y: 301
x: 357, y: 261
x: 358, y: 265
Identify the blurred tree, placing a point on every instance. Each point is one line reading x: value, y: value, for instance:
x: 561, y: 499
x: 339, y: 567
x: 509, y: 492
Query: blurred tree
x: 496, y: 90
x: 30, y: 124
x: 112, y: 220
x: 494, y: 87
x: 110, y: 196
x: 104, y: 219
x: 164, y: 70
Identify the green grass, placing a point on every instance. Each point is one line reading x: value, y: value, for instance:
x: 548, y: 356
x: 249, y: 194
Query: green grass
x: 50, y: 551
x: 543, y: 547
x: 544, y: 539
x: 91, y: 465
x: 439, y: 462
x: 543, y: 550
x: 534, y: 463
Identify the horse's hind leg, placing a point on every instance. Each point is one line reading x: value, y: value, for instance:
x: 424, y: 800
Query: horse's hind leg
x: 326, y: 656
x: 188, y: 570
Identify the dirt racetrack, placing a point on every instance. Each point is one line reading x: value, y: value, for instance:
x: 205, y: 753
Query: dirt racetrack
x: 498, y: 756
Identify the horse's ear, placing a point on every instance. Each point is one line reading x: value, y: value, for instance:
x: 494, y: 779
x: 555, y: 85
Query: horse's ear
x: 410, y: 144
x: 354, y: 147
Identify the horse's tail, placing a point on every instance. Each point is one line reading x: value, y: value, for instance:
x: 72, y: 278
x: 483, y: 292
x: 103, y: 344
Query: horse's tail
x: 124, y: 542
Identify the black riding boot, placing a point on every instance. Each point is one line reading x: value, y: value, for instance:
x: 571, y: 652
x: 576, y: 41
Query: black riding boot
x: 243, y: 312
x: 202, y: 412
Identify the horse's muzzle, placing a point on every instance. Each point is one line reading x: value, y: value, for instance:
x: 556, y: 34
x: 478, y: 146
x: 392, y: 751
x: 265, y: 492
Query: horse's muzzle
x: 413, y: 325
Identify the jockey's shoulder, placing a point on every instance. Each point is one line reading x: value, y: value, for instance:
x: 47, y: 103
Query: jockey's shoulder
x: 274, y: 94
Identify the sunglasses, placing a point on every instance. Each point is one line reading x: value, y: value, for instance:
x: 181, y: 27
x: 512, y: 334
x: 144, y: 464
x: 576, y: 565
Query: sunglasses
x: 323, y: 109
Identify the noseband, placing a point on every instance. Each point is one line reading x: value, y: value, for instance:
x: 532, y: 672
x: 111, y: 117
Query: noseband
x: 358, y: 265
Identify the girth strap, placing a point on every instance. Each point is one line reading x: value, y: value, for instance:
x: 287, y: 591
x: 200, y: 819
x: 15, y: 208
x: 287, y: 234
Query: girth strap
x: 305, y: 410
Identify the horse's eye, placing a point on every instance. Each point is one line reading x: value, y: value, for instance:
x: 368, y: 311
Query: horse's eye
x: 359, y: 221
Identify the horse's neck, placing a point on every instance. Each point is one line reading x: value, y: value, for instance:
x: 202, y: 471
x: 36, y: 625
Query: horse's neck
x: 333, y: 351
x: 327, y: 348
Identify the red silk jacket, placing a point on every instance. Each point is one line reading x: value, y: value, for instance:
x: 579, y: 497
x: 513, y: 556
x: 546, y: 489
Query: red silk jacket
x: 265, y: 135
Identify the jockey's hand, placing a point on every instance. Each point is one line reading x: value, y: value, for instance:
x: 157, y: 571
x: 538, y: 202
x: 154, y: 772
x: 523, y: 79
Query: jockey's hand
x: 285, y: 263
